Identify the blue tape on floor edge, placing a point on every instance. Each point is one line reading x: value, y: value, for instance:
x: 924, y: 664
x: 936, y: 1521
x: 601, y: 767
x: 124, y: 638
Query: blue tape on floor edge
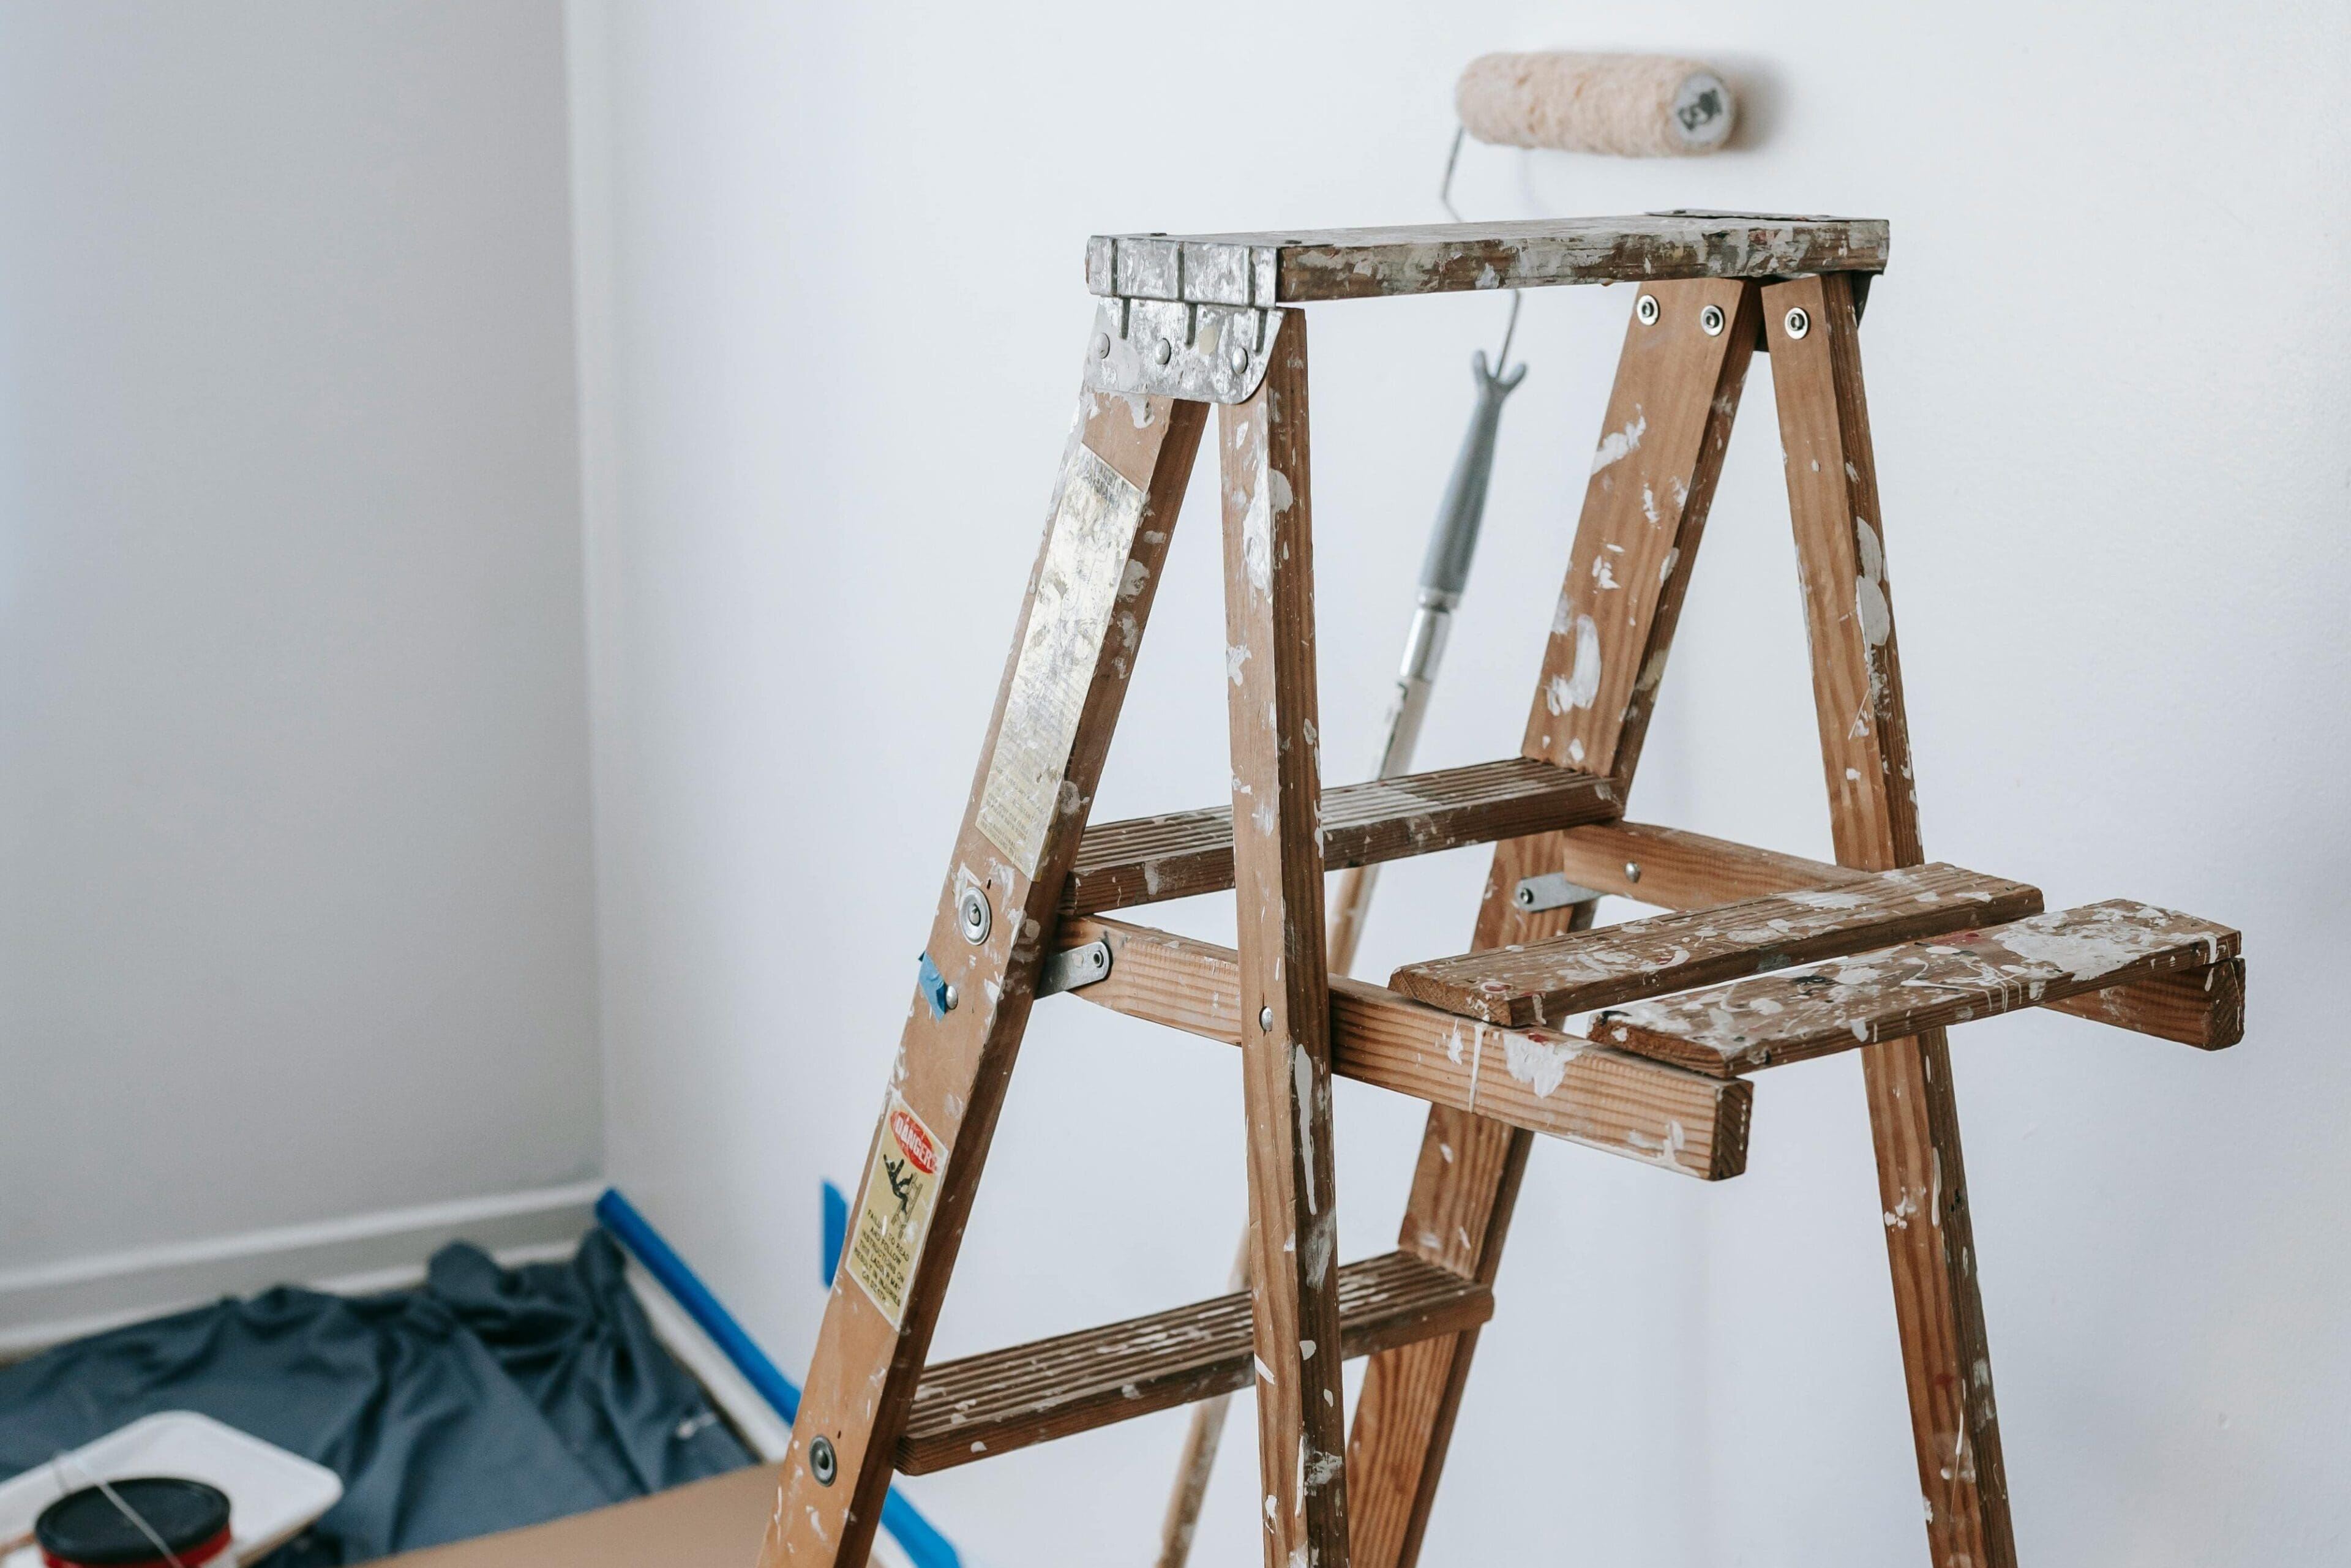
x: 915, y: 1535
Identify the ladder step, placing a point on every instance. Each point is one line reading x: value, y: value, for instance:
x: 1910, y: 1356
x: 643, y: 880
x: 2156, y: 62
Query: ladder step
x: 1548, y: 982
x: 987, y: 1404
x: 1147, y: 858
x: 1899, y: 991
x: 1680, y: 869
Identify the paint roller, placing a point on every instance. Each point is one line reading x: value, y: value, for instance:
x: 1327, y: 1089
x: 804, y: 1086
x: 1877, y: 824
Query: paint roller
x: 1623, y: 106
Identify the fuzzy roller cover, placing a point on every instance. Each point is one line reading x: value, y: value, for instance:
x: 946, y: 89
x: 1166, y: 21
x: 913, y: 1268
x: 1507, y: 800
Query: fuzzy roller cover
x: 1627, y: 106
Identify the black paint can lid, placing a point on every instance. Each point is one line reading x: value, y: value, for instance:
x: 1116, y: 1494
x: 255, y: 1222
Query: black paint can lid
x: 86, y: 1528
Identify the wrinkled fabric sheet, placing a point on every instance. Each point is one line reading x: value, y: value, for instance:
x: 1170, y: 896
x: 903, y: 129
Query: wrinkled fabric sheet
x: 488, y: 1399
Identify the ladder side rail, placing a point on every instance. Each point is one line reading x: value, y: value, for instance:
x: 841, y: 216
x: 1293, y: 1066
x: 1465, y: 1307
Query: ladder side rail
x: 1115, y: 504
x: 1285, y: 987
x: 1679, y: 380
x: 1833, y: 499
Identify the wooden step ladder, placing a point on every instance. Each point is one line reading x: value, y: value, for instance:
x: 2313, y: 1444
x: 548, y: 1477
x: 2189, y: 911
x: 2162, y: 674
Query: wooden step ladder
x: 1768, y: 959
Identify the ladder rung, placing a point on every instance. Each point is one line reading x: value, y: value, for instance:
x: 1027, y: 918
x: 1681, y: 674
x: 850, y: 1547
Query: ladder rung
x: 1147, y: 858
x: 1550, y: 981
x: 986, y: 1404
x: 1543, y: 1080
x: 1899, y: 991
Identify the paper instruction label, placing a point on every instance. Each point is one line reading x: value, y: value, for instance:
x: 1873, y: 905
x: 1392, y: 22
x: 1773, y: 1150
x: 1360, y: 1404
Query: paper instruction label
x: 894, y: 1215
x: 1083, y: 578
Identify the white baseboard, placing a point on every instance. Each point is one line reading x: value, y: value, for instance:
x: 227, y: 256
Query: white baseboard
x: 384, y: 1250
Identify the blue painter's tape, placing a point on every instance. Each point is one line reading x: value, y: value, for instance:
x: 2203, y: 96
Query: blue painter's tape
x: 920, y: 1540
x: 621, y: 1218
x: 836, y: 1230
x: 916, y: 1536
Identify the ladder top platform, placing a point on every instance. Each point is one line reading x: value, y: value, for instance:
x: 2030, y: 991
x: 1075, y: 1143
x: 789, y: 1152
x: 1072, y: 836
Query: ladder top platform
x: 1298, y: 267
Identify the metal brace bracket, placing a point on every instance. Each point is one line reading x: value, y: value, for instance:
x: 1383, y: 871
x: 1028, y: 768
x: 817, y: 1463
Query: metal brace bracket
x: 1174, y: 348
x: 1550, y: 890
x: 1074, y: 966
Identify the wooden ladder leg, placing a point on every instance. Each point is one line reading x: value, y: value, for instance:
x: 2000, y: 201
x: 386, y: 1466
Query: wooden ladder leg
x: 1866, y: 752
x: 1285, y: 987
x: 1122, y: 481
x: 1653, y: 477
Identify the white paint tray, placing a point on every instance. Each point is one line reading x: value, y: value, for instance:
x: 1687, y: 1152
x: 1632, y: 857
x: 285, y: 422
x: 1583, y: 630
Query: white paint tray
x: 272, y: 1495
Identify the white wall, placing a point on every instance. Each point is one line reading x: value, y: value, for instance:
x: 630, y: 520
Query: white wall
x: 295, y: 860
x: 831, y: 310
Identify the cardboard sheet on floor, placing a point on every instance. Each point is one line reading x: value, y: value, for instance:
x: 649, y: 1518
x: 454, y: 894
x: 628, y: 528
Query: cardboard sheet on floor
x: 715, y: 1523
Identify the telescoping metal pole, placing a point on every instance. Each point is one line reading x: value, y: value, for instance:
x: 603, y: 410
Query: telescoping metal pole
x: 1443, y: 569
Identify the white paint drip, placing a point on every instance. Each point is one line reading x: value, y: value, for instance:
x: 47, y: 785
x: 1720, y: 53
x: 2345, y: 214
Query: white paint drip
x: 1869, y: 587
x: 1539, y: 1064
x: 1302, y: 1084
x: 1257, y: 544
x: 1619, y: 444
x: 1877, y: 618
x: 1235, y: 655
x: 1582, y: 683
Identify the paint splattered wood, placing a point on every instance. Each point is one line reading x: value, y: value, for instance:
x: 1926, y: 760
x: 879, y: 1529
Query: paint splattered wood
x: 1144, y: 860
x: 1278, y: 868
x: 1644, y: 504
x: 1831, y: 478
x: 1896, y: 992
x: 1122, y: 481
x: 1644, y: 509
x: 1007, y: 1399
x: 1540, y: 1080
x: 1301, y: 266
x: 1523, y: 985
x: 2203, y: 1008
x: 1673, y: 868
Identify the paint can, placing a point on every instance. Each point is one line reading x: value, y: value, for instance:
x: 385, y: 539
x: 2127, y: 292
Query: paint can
x: 153, y: 1521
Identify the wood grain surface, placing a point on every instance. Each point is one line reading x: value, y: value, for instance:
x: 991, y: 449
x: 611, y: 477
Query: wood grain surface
x: 1540, y: 1080
x: 1674, y: 869
x: 1538, y: 983
x: 1006, y: 1399
x: 1895, y: 992
x: 1147, y: 860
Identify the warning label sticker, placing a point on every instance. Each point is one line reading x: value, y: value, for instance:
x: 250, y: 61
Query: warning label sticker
x: 895, y: 1215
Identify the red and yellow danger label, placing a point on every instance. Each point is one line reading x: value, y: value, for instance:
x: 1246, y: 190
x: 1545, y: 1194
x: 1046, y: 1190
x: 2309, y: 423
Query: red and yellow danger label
x: 894, y: 1217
